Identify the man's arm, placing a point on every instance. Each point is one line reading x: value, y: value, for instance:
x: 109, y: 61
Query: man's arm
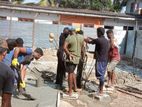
x: 19, y: 50
x: 112, y: 44
x: 16, y: 53
x: 67, y: 51
x: 90, y: 40
x: 6, y: 100
x: 8, y: 88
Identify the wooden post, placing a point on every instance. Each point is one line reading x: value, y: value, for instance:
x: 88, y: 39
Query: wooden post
x: 33, y: 31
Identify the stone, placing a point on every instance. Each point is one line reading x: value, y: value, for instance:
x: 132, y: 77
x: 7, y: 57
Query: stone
x: 103, y: 98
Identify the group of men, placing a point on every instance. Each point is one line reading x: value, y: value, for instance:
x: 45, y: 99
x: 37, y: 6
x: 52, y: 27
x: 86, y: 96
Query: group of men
x: 13, y: 60
x: 70, y: 54
x: 71, y: 45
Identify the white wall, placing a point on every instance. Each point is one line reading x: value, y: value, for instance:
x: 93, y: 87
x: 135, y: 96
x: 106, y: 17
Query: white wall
x: 119, y: 22
x: 32, y: 15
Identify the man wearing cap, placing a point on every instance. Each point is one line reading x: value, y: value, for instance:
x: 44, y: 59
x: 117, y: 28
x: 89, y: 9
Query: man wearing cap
x: 81, y: 63
x: 60, y: 54
x: 73, y: 47
x: 6, y: 77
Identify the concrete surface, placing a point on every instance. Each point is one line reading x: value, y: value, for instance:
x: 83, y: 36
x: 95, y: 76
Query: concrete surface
x: 45, y: 96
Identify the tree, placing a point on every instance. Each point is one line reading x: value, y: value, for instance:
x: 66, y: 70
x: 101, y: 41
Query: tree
x: 43, y: 3
x: 18, y: 1
x: 88, y: 4
x: 117, y: 5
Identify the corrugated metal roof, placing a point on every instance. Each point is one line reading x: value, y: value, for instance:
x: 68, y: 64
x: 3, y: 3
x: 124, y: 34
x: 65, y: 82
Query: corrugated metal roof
x: 69, y: 11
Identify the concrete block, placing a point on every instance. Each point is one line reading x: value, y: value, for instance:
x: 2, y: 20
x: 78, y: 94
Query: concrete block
x: 103, y: 98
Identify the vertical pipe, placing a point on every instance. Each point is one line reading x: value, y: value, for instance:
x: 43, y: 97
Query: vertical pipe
x: 135, y: 39
x: 134, y: 47
x: 59, y: 24
x: 10, y: 25
x: 10, y: 28
x: 33, y: 31
x: 126, y: 40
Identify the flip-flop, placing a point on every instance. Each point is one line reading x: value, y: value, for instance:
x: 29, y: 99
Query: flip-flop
x: 110, y: 89
x: 78, y: 90
x: 72, y: 96
x: 107, y: 86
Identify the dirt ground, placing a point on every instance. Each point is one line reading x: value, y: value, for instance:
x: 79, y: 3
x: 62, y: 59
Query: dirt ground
x: 125, y: 100
x: 119, y: 99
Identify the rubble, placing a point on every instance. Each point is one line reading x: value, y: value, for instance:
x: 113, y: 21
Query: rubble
x: 126, y: 74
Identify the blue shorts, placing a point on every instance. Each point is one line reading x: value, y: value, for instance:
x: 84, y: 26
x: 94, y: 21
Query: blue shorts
x: 100, y: 67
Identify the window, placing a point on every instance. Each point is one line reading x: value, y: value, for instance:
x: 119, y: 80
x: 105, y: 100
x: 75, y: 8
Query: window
x: 26, y: 19
x: 89, y: 25
x: 128, y: 28
x: 55, y: 22
x: 140, y: 28
x: 65, y: 23
x: 109, y: 27
x: 2, y: 18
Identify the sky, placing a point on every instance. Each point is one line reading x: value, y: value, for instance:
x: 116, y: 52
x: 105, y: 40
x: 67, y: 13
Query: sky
x: 29, y: 1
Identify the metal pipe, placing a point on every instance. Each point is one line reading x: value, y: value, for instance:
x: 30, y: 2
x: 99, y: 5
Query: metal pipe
x: 33, y: 31
x: 10, y: 26
x: 134, y: 47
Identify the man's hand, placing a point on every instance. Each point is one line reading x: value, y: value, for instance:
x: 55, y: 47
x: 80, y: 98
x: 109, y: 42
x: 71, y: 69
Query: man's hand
x: 22, y: 84
x: 15, y: 62
x: 71, y: 57
x: 88, y: 39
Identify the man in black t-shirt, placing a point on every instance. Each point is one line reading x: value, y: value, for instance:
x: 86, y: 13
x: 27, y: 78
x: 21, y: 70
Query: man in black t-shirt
x: 6, y: 77
x: 101, y: 56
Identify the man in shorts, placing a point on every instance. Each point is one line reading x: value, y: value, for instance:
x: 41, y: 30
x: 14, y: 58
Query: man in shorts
x: 80, y: 66
x: 73, y: 47
x: 114, y: 58
x: 6, y: 77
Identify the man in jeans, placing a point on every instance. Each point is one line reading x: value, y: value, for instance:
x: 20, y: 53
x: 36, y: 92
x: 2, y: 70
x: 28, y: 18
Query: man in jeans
x: 114, y: 58
x: 101, y: 55
x: 6, y: 77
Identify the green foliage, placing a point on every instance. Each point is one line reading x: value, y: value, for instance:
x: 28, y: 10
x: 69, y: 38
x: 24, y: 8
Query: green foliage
x: 18, y: 1
x: 100, y: 5
x: 88, y: 4
x: 116, y: 5
x: 96, y: 5
x: 79, y: 4
x: 43, y: 3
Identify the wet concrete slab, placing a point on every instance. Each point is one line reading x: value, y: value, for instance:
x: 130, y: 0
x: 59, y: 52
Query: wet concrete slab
x: 45, y: 96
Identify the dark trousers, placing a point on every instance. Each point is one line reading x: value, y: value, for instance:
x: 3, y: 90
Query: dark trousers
x: 61, y: 69
x: 79, y: 74
x: 100, y: 67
